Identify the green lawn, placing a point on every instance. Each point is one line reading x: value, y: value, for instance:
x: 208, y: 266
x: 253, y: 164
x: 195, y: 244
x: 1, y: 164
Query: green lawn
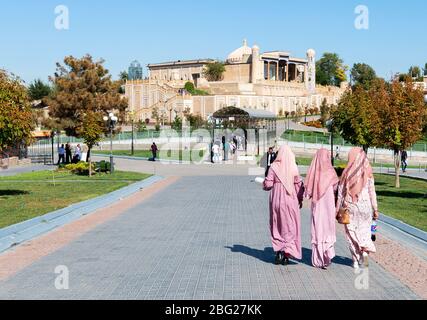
x: 29, y: 195
x: 175, y: 155
x: 407, y: 204
x: 319, y: 137
x: 304, y: 161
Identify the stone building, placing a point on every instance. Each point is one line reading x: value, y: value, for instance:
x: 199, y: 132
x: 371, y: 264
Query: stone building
x: 273, y: 81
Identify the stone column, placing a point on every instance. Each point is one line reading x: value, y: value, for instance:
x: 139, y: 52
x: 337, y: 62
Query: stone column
x: 287, y: 72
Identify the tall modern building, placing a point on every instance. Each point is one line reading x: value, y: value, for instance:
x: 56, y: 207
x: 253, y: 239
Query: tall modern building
x: 135, y: 71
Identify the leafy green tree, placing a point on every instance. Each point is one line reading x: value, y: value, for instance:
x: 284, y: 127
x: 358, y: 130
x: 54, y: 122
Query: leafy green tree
x: 123, y: 76
x: 82, y: 86
x: 415, y: 73
x: 177, y: 123
x: 189, y: 87
x: 425, y: 70
x: 214, y: 71
x: 91, y: 129
x: 16, y: 121
x: 363, y: 74
x: 38, y: 90
x: 355, y: 117
x: 325, y: 110
x: 330, y: 70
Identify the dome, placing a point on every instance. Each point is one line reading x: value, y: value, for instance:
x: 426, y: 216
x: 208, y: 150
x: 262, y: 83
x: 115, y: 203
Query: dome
x: 237, y: 55
x: 311, y: 53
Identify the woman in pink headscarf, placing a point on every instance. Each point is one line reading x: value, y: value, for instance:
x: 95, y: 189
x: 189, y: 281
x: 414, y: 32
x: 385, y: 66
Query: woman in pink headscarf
x: 320, y: 186
x: 287, y: 191
x: 356, y: 192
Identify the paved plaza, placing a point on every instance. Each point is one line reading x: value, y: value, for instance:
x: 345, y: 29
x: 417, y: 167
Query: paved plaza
x: 197, y: 238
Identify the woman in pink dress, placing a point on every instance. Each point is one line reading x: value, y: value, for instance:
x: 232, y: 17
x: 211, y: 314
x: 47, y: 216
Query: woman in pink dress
x: 287, y: 192
x: 356, y: 192
x: 320, y: 186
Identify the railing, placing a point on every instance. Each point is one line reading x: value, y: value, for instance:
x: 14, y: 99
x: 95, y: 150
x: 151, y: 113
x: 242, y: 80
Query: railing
x: 339, y: 141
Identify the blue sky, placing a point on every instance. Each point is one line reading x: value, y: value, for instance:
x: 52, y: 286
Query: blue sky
x: 161, y: 30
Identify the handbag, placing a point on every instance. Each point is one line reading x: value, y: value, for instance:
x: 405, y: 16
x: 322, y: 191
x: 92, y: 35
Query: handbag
x: 343, y: 216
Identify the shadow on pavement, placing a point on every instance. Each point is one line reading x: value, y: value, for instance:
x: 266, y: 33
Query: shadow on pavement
x: 267, y: 255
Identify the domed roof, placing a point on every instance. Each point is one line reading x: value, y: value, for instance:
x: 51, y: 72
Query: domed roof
x: 237, y: 55
x: 311, y: 53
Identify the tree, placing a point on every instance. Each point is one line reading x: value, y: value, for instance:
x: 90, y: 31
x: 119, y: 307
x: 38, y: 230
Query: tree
x: 91, y: 129
x: 177, y: 123
x: 363, y: 74
x: 415, y: 73
x: 330, y: 70
x: 425, y: 70
x: 38, y: 90
x: 401, y: 112
x: 324, y: 112
x: 123, y: 76
x: 214, y: 71
x: 16, y: 121
x: 355, y: 117
x: 82, y: 86
x: 196, y: 121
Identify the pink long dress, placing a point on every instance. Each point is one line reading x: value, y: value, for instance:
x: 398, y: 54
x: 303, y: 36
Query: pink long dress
x: 285, y: 220
x: 323, y: 229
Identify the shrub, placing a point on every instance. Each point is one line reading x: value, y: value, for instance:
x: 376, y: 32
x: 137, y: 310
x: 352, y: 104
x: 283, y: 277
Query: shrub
x: 103, y: 166
x: 315, y: 124
x: 81, y: 168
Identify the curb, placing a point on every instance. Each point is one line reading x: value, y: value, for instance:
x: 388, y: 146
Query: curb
x: 138, y: 158
x: 27, y: 230
x: 406, y: 228
x: 143, y: 159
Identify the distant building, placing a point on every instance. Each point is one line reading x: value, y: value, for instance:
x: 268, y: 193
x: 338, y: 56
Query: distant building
x: 135, y: 71
x: 273, y: 81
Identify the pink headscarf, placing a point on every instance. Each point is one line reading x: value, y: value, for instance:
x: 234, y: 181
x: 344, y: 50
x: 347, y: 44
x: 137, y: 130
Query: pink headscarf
x: 286, y: 168
x: 321, y: 175
x: 356, y: 175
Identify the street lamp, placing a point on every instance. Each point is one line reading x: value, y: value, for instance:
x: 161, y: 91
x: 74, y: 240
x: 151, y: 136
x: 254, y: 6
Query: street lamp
x: 132, y: 115
x: 111, y: 121
x: 170, y: 115
x: 330, y: 126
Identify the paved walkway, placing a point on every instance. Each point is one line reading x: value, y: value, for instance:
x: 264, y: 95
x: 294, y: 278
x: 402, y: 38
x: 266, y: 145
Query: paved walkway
x: 200, y: 238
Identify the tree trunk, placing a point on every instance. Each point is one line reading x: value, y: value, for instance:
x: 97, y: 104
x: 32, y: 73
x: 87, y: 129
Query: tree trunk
x: 89, y: 160
x: 397, y: 168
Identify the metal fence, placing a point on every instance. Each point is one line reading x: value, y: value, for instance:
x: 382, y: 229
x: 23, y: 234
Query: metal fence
x: 338, y: 140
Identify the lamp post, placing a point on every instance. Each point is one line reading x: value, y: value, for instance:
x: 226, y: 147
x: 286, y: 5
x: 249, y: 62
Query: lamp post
x: 111, y: 121
x: 330, y: 125
x: 131, y: 115
x: 170, y: 115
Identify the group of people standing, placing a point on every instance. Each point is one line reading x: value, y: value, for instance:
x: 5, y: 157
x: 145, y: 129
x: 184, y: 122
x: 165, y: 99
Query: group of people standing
x: 226, y: 147
x: 65, y: 154
x: 354, y: 192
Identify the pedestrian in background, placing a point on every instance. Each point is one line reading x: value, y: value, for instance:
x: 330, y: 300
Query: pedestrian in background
x: 61, y: 154
x: 68, y: 153
x: 404, y: 158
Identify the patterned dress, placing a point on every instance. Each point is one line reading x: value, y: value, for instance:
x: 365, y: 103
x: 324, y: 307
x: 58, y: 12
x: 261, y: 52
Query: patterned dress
x: 358, y: 232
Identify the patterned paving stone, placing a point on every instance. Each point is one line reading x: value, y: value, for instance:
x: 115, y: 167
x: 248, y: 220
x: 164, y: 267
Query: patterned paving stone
x: 200, y: 238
